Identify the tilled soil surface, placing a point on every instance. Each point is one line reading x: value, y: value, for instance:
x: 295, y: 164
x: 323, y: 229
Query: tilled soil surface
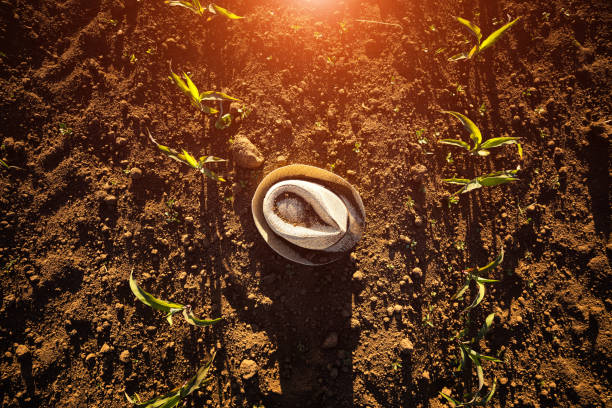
x: 88, y: 198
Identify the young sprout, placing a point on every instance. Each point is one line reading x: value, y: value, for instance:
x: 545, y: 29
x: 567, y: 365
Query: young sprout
x: 197, y: 8
x: 197, y: 97
x: 189, y: 160
x: 480, y: 46
x: 168, y: 307
x: 172, y: 398
x: 473, y: 275
x: 488, y: 180
x: 479, y: 148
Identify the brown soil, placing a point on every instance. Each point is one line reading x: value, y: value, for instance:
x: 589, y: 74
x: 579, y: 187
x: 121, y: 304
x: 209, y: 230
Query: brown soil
x: 94, y: 199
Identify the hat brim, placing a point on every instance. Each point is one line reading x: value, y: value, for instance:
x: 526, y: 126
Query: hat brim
x: 309, y: 173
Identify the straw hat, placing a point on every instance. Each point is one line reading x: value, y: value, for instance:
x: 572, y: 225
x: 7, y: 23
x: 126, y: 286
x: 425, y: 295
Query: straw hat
x: 308, y: 215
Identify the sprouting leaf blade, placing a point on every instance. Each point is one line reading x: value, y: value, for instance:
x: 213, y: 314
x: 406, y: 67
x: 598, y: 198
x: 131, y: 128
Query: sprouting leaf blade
x: 491, y: 39
x: 479, y: 373
x: 461, y: 291
x: 469, y: 126
x: 458, y: 57
x: 190, y: 159
x: 198, y: 379
x: 486, y: 326
x: 460, y: 181
x: 451, y: 400
x: 474, y: 29
x: 224, y: 12
x: 152, y: 301
x: 498, y: 141
x: 192, y: 88
x: 216, y: 96
x: 490, y: 394
x: 192, y: 319
x: 455, y: 142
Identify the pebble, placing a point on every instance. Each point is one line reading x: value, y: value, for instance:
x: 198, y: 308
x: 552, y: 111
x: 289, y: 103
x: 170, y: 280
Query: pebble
x: 110, y: 200
x: 417, y: 272
x: 124, y: 357
x: 248, y: 369
x: 358, y: 276
x: 246, y: 154
x: 135, y: 173
x: 418, y: 171
x: 331, y: 341
x: 22, y: 351
x: 105, y: 348
x: 406, y: 345
x: 91, y: 357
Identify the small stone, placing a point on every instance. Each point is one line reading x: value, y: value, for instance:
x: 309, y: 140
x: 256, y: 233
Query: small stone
x: 105, y: 348
x: 91, y: 358
x: 425, y: 375
x: 185, y: 239
x: 355, y: 324
x: 397, y: 308
x: 110, y: 200
x: 358, y: 276
x: 418, y: 171
x: 22, y: 352
x: 417, y: 272
x: 248, y: 369
x: 124, y: 357
x: 245, y: 153
x: 390, y: 311
x: 331, y: 341
x: 135, y: 173
x: 406, y: 345
x: 121, y: 141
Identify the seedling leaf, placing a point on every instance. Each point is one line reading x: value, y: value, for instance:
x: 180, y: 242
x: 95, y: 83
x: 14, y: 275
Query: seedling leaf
x: 190, y: 160
x: 150, y: 300
x: 198, y: 379
x: 458, y: 57
x: 490, y: 40
x: 451, y: 400
x: 498, y: 141
x: 213, y: 8
x: 192, y: 319
x: 469, y: 126
x: 460, y: 181
x: 461, y: 292
x: 455, y: 142
x: 486, y: 326
x: 216, y: 96
x: 3, y: 163
x: 476, y: 302
x: 479, y: 373
x: 472, y: 27
x: 490, y: 395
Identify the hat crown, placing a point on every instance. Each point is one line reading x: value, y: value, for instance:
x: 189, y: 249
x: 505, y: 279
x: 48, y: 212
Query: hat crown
x: 305, y: 213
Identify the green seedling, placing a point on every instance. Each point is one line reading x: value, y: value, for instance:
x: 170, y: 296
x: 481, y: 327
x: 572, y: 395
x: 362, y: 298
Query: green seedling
x: 172, y: 398
x: 488, y: 180
x: 467, y: 354
x: 197, y: 97
x: 480, y: 46
x: 168, y: 307
x: 196, y: 7
x: 480, y: 148
x: 64, y: 129
x: 189, y: 160
x: 396, y: 365
x: 473, y: 275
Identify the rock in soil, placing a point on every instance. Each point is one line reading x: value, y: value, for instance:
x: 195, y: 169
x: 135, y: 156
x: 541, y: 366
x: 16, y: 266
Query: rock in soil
x: 246, y: 154
x: 331, y: 341
x: 248, y: 369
